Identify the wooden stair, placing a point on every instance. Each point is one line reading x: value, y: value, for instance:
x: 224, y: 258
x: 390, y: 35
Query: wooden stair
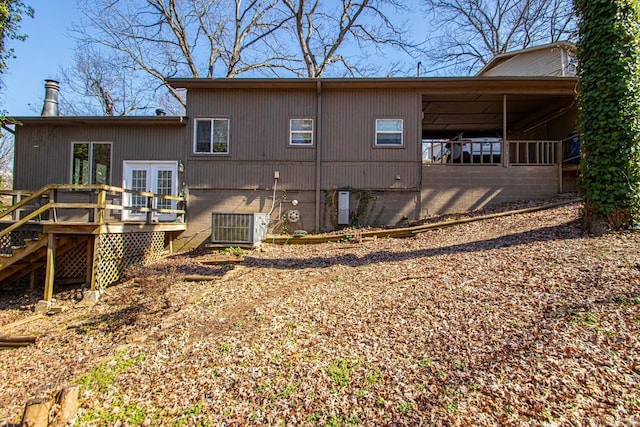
x: 28, y: 258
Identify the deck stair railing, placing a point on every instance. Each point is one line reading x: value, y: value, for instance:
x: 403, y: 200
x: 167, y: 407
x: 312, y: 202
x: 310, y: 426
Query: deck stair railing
x: 19, y: 255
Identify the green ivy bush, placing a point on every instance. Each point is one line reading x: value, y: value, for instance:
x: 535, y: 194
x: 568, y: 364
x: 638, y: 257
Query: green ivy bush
x: 609, y: 119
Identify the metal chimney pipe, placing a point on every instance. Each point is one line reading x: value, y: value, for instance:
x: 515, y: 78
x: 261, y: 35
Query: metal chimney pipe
x: 50, y: 107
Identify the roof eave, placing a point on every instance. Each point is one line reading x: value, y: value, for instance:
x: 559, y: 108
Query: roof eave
x: 102, y: 120
x: 428, y: 84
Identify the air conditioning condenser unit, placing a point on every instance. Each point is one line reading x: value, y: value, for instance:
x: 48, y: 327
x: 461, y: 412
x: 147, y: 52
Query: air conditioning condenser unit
x: 238, y: 229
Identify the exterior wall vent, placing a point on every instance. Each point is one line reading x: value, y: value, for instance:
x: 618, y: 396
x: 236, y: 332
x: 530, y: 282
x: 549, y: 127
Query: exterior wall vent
x: 243, y: 229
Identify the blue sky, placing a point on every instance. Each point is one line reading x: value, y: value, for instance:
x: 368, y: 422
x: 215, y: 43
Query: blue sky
x: 47, y: 48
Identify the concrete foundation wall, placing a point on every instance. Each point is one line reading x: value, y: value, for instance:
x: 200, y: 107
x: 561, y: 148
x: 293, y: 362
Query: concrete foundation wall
x: 446, y: 189
x: 459, y: 188
x: 369, y: 208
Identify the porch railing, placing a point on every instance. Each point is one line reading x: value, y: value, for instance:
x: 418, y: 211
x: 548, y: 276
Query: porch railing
x: 533, y: 152
x: 528, y: 152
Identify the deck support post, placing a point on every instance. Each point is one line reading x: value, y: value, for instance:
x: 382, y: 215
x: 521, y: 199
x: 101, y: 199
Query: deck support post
x: 93, y: 294
x: 33, y: 278
x: 51, y: 267
x: 91, y: 268
x: 89, y: 264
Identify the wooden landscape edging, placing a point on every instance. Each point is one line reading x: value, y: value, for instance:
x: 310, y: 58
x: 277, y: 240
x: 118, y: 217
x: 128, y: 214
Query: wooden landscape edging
x: 406, y: 231
x: 14, y: 341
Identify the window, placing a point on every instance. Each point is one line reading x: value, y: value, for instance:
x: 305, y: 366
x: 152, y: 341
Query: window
x: 91, y: 163
x: 389, y: 132
x: 301, y: 132
x: 212, y: 136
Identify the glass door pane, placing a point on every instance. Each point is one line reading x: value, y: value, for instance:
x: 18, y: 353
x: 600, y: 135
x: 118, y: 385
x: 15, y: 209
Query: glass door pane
x: 138, y: 183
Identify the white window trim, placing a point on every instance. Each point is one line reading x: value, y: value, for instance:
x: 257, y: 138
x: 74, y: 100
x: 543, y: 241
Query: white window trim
x: 195, y: 136
x: 377, y: 132
x: 310, y: 132
x: 91, y: 165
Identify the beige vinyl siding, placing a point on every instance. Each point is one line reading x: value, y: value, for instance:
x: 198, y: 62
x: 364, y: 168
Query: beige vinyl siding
x: 40, y: 147
x: 259, y: 121
x: 546, y: 62
x: 259, y: 139
x: 371, y: 176
x: 204, y: 174
x: 349, y: 120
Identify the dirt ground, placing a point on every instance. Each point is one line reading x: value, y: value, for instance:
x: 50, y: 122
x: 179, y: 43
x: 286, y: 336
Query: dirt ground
x: 518, y: 320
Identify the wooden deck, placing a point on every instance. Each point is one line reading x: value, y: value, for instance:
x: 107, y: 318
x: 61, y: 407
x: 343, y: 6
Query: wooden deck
x: 86, y: 242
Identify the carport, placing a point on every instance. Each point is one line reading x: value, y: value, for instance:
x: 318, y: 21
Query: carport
x: 515, y: 107
x: 537, y: 116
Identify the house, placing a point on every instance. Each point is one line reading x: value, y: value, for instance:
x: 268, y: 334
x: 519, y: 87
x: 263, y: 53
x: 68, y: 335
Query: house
x: 313, y: 154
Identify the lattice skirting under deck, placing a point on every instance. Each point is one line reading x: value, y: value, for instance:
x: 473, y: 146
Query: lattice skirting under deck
x: 115, y: 252
x: 73, y: 263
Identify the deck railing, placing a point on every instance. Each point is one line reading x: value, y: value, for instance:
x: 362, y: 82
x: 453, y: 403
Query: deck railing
x: 33, y: 206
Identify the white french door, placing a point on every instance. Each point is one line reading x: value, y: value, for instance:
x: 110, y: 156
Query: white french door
x: 159, y: 177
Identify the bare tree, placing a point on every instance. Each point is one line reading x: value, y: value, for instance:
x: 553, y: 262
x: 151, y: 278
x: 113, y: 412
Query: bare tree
x: 323, y: 31
x: 474, y: 31
x: 101, y: 83
x: 187, y: 38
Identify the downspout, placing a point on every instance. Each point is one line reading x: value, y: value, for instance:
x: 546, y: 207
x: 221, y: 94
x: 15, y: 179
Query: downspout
x: 318, y: 151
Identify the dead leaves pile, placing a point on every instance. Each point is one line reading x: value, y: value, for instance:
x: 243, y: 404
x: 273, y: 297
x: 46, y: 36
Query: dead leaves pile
x: 520, y: 320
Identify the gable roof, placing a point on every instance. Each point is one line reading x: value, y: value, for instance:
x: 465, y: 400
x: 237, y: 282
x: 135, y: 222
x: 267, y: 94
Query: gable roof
x: 498, y: 60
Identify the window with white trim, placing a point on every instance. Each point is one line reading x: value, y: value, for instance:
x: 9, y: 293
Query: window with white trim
x: 211, y: 136
x: 301, y: 132
x: 91, y: 163
x: 388, y: 132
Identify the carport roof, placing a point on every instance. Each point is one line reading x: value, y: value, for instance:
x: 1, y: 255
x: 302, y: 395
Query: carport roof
x: 446, y: 115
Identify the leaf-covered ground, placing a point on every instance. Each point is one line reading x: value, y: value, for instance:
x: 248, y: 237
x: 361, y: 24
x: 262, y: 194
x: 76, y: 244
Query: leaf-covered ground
x: 519, y: 320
